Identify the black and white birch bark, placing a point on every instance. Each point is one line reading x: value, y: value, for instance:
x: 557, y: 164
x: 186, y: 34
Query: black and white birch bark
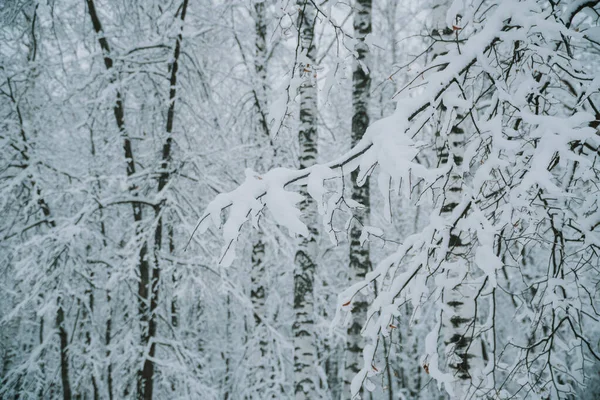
x: 264, y: 375
x: 463, y: 351
x: 305, y: 350
x: 360, y: 262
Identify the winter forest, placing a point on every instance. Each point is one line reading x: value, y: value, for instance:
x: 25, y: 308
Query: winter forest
x: 299, y: 199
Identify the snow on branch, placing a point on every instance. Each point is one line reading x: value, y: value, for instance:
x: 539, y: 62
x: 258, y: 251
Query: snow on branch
x: 519, y: 179
x: 386, y: 142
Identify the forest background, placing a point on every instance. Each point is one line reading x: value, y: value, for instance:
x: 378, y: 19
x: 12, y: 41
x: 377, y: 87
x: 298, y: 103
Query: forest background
x: 193, y: 206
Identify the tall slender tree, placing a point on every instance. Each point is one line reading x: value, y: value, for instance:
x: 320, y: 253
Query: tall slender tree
x: 305, y: 350
x: 492, y: 291
x: 160, y: 210
x: 265, y: 374
x: 145, y: 374
x: 463, y: 350
x: 360, y: 260
x: 36, y: 199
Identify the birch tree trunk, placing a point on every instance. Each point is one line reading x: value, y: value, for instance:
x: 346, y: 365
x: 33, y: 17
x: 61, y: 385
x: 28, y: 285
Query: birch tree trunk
x: 263, y: 375
x: 463, y: 352
x: 305, y: 354
x: 360, y: 262
x: 265, y: 370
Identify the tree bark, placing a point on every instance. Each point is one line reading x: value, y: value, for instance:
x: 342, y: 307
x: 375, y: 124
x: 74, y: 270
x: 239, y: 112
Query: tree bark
x: 144, y: 375
x: 305, y: 353
x: 45, y: 208
x: 360, y: 262
x: 108, y: 326
x: 64, y: 355
x: 265, y: 370
x: 462, y: 355
x: 148, y: 369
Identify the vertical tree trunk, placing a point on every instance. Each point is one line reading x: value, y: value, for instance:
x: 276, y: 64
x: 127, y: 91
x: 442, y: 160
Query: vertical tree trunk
x: 226, y: 354
x: 143, y: 264
x: 257, y: 296
x: 64, y: 355
x: 108, y: 326
x: 108, y: 333
x: 458, y: 328
x: 45, y: 208
x: 42, y: 364
x: 148, y: 369
x: 264, y: 376
x: 335, y: 380
x: 97, y: 191
x: 60, y: 317
x: 334, y: 349
x: 260, y: 66
x: 88, y: 334
x: 305, y: 356
x: 174, y: 305
x: 463, y: 355
x: 360, y: 262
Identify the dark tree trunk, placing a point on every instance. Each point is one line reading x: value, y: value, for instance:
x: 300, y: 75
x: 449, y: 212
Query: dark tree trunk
x: 148, y: 369
x: 360, y: 261
x: 64, y: 354
x: 146, y: 374
x: 45, y: 208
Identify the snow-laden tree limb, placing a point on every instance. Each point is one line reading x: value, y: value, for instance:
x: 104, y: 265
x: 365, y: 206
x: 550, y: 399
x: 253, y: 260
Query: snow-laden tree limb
x: 528, y: 179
